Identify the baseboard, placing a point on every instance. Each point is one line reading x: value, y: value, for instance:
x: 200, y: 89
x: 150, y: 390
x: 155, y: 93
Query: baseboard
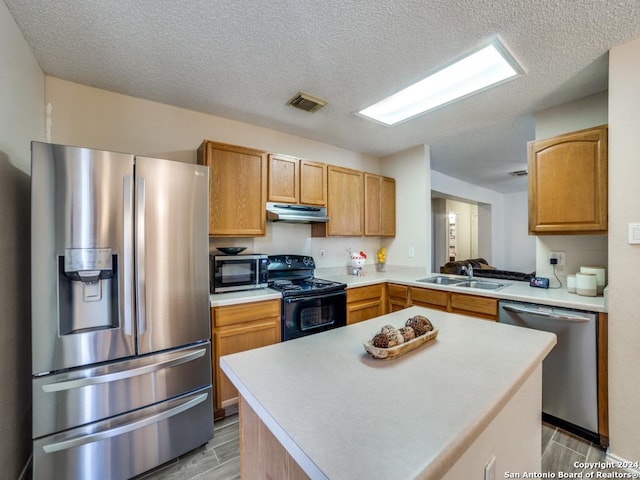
x: 619, y: 462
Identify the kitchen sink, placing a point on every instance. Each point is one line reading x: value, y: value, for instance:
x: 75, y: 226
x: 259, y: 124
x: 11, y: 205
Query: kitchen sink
x: 460, y: 282
x: 481, y: 284
x: 439, y: 280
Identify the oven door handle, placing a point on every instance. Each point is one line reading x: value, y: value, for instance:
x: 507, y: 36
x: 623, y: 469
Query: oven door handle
x: 321, y: 296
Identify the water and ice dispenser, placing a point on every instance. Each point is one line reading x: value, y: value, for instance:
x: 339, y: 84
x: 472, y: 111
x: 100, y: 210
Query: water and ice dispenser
x: 87, y: 290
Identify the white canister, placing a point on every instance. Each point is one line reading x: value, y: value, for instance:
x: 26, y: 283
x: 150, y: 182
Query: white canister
x: 586, y: 284
x: 600, y: 274
x: 571, y: 283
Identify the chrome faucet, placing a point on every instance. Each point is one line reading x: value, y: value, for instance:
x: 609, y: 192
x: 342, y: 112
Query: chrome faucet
x: 470, y: 271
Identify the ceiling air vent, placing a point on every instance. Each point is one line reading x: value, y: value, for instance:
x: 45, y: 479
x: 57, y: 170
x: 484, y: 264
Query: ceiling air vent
x: 306, y: 102
x: 519, y: 173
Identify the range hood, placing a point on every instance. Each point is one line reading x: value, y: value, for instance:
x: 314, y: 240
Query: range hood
x: 292, y: 213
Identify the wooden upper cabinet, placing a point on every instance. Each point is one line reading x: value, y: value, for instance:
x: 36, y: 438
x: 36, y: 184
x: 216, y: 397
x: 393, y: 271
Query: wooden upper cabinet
x: 237, y: 189
x: 284, y: 184
x: 292, y: 180
x: 568, y: 183
x: 345, y: 204
x: 388, y: 210
x: 380, y: 205
x: 313, y: 183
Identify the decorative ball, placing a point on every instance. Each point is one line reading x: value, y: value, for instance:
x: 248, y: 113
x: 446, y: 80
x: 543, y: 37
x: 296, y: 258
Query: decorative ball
x: 408, y: 333
x: 381, y: 340
x: 420, y: 324
x: 395, y: 337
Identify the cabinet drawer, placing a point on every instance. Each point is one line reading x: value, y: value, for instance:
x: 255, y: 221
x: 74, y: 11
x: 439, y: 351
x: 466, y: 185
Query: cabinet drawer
x: 364, y: 293
x: 473, y: 304
x: 245, y: 312
x: 428, y: 296
x: 401, y: 291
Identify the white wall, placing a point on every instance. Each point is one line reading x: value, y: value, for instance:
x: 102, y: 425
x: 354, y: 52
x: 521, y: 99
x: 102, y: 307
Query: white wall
x: 95, y: 118
x: 412, y: 170
x: 519, y: 246
x: 21, y: 120
x: 624, y: 259
x: 580, y: 249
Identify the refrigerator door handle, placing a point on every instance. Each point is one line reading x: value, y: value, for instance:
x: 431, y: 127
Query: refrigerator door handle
x: 76, y: 441
x: 140, y: 258
x: 124, y: 373
x: 128, y: 254
x: 550, y: 315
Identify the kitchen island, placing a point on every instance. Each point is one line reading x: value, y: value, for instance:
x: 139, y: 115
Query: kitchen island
x: 320, y: 407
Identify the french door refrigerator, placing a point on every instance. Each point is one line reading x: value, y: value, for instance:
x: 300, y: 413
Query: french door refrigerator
x: 121, y: 352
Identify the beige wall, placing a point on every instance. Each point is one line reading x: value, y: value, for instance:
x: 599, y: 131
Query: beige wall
x: 85, y: 116
x: 90, y: 117
x: 412, y: 170
x: 624, y: 259
x: 21, y: 120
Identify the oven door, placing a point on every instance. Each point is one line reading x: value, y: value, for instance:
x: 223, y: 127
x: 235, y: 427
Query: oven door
x: 311, y: 314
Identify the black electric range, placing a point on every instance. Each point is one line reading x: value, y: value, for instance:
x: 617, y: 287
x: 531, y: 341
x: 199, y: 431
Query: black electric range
x: 309, y: 305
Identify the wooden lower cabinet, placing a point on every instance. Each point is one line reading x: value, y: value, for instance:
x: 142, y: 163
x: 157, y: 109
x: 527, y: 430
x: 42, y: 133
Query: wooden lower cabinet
x: 364, y: 303
x: 397, y: 297
x: 236, y: 328
x: 475, y: 306
x: 426, y: 297
x: 454, y: 302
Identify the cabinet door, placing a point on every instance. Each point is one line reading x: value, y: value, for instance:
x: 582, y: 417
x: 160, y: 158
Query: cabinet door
x: 237, y: 189
x: 237, y: 328
x: 398, y: 297
x: 344, y: 202
x: 372, y: 204
x: 283, y: 179
x: 425, y: 297
x: 364, y: 303
x: 313, y: 183
x: 379, y: 205
x: 568, y: 183
x: 239, y: 339
x: 475, y: 306
x: 388, y: 208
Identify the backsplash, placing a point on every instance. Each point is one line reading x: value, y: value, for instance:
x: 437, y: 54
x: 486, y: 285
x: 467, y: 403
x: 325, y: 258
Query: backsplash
x: 284, y: 238
x: 580, y: 250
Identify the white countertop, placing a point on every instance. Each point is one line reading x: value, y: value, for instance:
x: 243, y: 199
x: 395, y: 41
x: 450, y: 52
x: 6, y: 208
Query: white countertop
x: 518, y: 291
x: 342, y: 414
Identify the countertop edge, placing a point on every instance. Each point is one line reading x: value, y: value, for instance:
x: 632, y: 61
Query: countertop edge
x: 444, y: 463
x: 520, y: 291
x: 301, y: 458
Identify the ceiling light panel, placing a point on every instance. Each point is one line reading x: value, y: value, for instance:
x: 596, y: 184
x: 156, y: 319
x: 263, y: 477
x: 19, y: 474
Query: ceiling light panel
x: 486, y: 67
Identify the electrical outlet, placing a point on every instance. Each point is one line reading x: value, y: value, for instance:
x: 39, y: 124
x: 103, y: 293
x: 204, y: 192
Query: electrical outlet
x: 412, y: 252
x: 559, y: 256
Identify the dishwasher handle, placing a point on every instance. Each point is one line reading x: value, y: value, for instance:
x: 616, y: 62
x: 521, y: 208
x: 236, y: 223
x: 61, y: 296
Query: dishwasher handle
x: 565, y: 317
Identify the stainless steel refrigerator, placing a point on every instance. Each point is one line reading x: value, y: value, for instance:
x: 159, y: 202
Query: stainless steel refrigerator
x: 120, y: 312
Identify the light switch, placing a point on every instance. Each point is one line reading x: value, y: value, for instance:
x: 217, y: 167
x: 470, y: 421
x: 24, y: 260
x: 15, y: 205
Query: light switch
x: 634, y: 233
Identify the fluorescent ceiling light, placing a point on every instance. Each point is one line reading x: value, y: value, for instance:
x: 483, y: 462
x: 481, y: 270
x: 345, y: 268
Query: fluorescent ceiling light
x: 479, y: 70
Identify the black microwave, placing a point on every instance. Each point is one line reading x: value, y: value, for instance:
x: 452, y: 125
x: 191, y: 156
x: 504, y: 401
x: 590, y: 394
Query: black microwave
x: 232, y: 273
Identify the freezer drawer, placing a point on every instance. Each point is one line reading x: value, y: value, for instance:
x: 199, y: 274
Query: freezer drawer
x: 86, y: 395
x: 127, y: 445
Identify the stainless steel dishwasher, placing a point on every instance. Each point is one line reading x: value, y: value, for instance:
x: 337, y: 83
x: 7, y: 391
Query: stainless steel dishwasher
x: 570, y: 371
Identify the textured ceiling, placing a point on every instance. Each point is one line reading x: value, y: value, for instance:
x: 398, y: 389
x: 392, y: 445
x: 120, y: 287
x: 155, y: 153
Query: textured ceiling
x: 244, y: 60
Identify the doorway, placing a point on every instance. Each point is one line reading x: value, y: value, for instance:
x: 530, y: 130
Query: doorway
x: 454, y: 229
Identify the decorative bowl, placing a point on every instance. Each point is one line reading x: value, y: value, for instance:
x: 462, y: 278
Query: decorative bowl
x: 231, y: 250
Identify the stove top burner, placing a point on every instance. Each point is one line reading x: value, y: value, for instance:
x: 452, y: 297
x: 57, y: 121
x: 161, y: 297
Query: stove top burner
x: 293, y: 275
x: 308, y: 285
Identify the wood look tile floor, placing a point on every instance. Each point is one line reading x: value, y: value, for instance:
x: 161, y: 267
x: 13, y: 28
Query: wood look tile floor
x: 220, y: 458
